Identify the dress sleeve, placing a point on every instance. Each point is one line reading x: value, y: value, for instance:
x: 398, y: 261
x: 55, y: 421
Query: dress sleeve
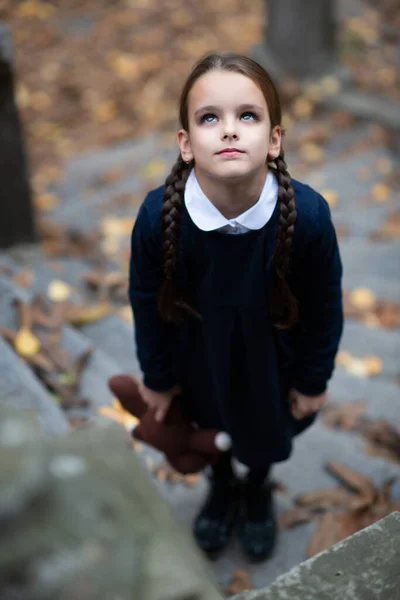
x: 153, y: 336
x: 321, y: 311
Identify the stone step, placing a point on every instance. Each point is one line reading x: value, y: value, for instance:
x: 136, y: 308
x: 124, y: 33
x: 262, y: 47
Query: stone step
x: 355, y: 210
x: 363, y: 259
x: 21, y: 389
x: 361, y: 341
x: 100, y: 366
x: 112, y: 335
x: 382, y: 397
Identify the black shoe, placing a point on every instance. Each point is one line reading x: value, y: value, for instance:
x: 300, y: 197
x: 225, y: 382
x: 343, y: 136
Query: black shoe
x: 214, y: 524
x: 258, y: 529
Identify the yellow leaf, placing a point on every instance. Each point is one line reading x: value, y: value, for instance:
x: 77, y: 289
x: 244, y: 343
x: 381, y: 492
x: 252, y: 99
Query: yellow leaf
x: 343, y: 358
x: 105, y: 111
x: 357, y: 367
x: 155, y: 168
x: 40, y: 101
x: 110, y: 246
x: 302, y: 108
x: 330, y: 85
x: 381, y: 192
x: 125, y: 312
x: 46, y: 201
x: 117, y: 413
x: 311, y: 153
x: 58, y: 290
x: 25, y: 343
x: 89, y: 314
x: 362, y: 298
x: 192, y: 480
x: 374, y: 365
x: 118, y: 227
x: 125, y: 65
x: 331, y: 196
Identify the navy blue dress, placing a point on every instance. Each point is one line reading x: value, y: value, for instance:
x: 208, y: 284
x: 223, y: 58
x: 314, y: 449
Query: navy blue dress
x: 234, y: 367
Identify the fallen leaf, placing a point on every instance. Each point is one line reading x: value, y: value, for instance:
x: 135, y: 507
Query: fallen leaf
x: 311, y: 153
x: 79, y: 315
x: 302, y: 108
x: 329, y: 531
x: 240, y: 582
x: 331, y: 196
x: 346, y: 416
x: 351, y: 479
x: 381, y: 192
x: 295, y: 516
x: 192, y: 480
x: 58, y: 291
x: 24, y: 278
x: 374, y: 365
x: 325, y: 498
x: 26, y: 343
x: 362, y: 298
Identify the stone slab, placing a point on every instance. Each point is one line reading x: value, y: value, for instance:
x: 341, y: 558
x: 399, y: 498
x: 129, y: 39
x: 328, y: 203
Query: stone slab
x: 364, y: 258
x: 21, y: 389
x: 364, y: 566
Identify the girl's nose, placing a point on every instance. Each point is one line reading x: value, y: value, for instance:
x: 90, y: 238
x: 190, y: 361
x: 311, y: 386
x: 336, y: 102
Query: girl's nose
x: 228, y: 134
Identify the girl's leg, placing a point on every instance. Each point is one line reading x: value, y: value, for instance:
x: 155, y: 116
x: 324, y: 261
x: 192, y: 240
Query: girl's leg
x: 215, y: 521
x: 258, y: 522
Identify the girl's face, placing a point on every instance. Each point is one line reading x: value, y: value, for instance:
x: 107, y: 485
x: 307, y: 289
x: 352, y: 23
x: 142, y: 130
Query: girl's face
x: 228, y: 110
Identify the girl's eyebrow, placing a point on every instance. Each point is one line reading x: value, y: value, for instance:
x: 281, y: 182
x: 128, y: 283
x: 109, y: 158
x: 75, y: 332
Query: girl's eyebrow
x: 241, y: 107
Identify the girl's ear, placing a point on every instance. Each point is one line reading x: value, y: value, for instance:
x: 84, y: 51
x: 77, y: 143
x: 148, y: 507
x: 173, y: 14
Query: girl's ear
x: 275, y: 141
x: 184, y: 145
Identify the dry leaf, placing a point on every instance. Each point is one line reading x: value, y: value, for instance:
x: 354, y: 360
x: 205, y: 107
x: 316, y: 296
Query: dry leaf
x: 329, y: 531
x: 58, y: 291
x: 240, y: 582
x: 302, y: 108
x: 325, y: 498
x: 374, y: 365
x: 351, y: 479
x: 311, y: 153
x: 24, y: 278
x: 192, y: 480
x: 346, y: 416
x: 79, y: 315
x: 331, y: 196
x: 26, y: 343
x: 295, y: 516
x: 362, y: 298
x: 381, y: 192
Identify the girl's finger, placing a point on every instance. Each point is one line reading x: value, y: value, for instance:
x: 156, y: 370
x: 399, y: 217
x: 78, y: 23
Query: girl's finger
x: 159, y: 416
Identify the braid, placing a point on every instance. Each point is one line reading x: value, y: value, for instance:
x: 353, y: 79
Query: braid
x: 170, y: 305
x: 283, y: 303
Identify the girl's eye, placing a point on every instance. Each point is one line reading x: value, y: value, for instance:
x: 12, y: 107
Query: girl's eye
x: 249, y: 114
x: 207, y: 118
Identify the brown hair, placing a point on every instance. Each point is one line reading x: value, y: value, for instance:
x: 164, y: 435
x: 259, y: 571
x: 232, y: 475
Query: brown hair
x: 283, y: 305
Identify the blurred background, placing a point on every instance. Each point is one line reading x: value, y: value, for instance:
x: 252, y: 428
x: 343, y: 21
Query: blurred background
x: 88, y: 116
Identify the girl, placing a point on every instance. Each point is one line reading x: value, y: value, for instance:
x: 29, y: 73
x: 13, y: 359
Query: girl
x: 235, y: 286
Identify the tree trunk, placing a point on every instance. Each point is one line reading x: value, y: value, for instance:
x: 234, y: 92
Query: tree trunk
x: 301, y: 36
x: 16, y: 213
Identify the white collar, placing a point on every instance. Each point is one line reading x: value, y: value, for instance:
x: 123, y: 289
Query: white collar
x: 207, y: 217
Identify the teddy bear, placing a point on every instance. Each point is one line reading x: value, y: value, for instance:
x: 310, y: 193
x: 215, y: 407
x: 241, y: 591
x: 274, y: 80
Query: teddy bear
x: 187, y: 448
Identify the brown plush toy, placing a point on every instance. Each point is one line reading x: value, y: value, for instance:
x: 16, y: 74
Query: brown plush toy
x: 187, y: 448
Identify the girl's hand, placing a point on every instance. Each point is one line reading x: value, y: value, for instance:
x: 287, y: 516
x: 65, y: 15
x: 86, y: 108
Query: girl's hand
x: 303, y: 406
x: 161, y: 401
